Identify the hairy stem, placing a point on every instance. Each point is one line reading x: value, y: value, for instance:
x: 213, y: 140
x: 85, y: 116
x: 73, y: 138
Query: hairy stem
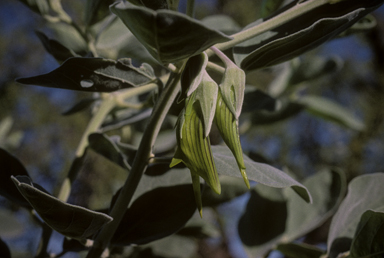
x: 139, y: 165
x: 270, y: 24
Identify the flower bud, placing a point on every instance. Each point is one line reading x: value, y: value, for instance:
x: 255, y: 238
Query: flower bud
x: 194, y: 148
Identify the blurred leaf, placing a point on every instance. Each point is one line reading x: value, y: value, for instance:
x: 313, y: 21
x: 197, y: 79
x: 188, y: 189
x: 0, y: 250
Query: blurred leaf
x: 69, y: 37
x: 4, y: 250
x: 122, y: 121
x: 172, y: 246
x: 221, y: 23
x: 96, y: 10
x: 364, y: 193
x: 55, y: 48
x: 93, y: 75
x: 155, y: 215
x: 70, y: 220
x: 259, y: 172
x: 198, y: 228
x: 257, y: 100
x: 168, y: 36
x: 9, y: 139
x: 38, y: 6
x: 263, y: 221
x: 10, y: 225
x: 124, y: 43
x: 368, y: 239
x: 363, y: 25
x: 103, y: 145
x: 284, y: 109
x: 80, y: 106
x: 230, y: 189
x: 300, y: 34
x: 11, y: 166
x: 293, y: 250
x: 270, y: 6
x: 327, y: 189
x: 72, y: 245
x: 332, y: 111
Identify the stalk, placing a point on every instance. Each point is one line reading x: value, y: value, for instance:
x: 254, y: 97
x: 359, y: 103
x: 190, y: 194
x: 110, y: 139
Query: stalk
x: 139, y: 165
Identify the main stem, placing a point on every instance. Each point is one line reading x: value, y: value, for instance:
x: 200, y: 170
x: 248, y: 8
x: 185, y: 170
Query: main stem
x: 139, y: 165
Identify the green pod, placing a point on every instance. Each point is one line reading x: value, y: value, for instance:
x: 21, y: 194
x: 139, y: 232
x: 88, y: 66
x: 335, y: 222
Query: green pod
x: 228, y: 126
x: 194, y: 149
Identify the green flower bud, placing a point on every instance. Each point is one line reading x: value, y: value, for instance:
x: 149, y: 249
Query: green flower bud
x: 228, y: 126
x: 232, y: 89
x: 194, y: 148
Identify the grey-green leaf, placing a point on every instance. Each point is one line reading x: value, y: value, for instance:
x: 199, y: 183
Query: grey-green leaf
x: 295, y: 250
x: 368, y: 239
x: 327, y: 189
x: 70, y: 220
x: 301, y: 34
x: 169, y: 36
x: 55, y: 48
x: 332, y: 111
x: 38, y: 6
x: 270, y: 6
x: 259, y: 172
x: 364, y: 193
x: 92, y: 75
x: 80, y: 106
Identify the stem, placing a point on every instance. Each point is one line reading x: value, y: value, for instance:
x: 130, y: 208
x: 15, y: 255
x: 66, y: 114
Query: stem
x: 108, y: 103
x: 191, y: 8
x: 270, y: 24
x: 139, y: 165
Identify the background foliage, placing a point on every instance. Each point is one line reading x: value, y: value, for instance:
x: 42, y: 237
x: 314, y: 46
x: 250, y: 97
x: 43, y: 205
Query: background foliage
x: 323, y: 145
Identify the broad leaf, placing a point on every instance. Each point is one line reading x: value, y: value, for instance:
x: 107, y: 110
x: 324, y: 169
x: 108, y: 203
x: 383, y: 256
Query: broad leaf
x: 293, y: 250
x: 259, y: 172
x: 96, y: 10
x: 93, y: 75
x: 364, y: 193
x: 283, y: 109
x: 332, y: 111
x: 301, y: 34
x: 169, y: 36
x: 80, y: 106
x: 230, y: 189
x: 11, y: 166
x: 368, y: 239
x: 155, y: 215
x: 123, y: 120
x: 55, y: 48
x: 327, y: 189
x: 221, y: 23
x: 39, y: 6
x: 70, y: 220
x: 103, y: 145
x: 172, y: 246
x: 263, y: 221
x: 257, y: 100
x: 68, y: 36
x: 4, y: 250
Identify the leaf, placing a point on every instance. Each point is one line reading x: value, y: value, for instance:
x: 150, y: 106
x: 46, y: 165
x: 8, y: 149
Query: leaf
x: 55, y: 48
x: 104, y: 146
x: 96, y: 10
x: 70, y: 220
x: 193, y: 74
x: 327, y: 189
x: 69, y: 37
x: 155, y: 215
x: 11, y: 166
x: 368, y: 239
x: 332, y: 111
x: 80, y: 106
x: 168, y: 36
x: 270, y: 6
x: 300, y: 34
x: 259, y: 172
x: 230, y: 189
x: 92, y: 75
x: 4, y: 250
x: 257, y: 100
x: 221, y: 23
x: 263, y: 221
x: 284, y: 109
x: 123, y: 121
x: 364, y: 193
x: 171, y: 246
x: 39, y: 6
x: 293, y: 250
x: 10, y: 225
